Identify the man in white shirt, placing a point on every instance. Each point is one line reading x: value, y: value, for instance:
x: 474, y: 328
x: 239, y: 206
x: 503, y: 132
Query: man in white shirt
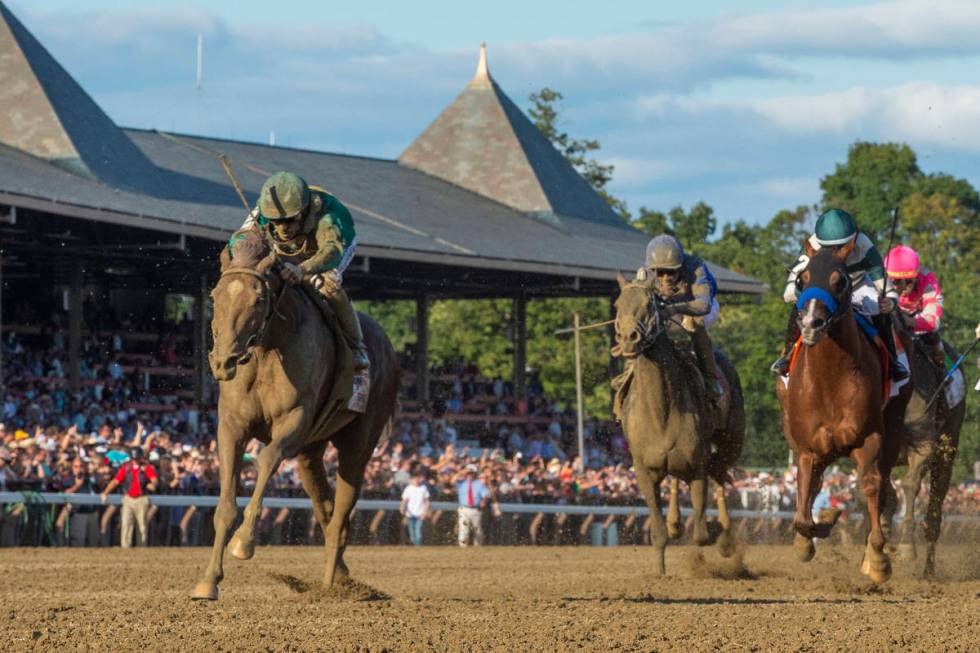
x: 415, y: 507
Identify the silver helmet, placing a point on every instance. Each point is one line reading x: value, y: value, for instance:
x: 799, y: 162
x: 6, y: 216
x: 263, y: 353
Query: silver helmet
x: 664, y: 253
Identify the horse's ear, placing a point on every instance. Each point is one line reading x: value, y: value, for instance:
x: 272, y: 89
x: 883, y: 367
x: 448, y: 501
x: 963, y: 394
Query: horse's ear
x: 808, y: 248
x: 621, y: 280
x: 846, y: 250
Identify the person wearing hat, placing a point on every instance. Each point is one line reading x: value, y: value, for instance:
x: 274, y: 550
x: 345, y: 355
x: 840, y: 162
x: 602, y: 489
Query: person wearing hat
x: 137, y: 478
x: 872, y: 295
x: 312, y: 232
x: 683, y: 286
x: 473, y: 495
x: 920, y: 299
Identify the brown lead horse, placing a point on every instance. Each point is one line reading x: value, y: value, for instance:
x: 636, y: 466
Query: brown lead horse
x: 277, y: 360
x: 670, y: 423
x: 834, y: 405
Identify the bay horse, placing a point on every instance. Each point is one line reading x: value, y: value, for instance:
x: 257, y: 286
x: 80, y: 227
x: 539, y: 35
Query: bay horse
x: 276, y: 362
x: 835, y: 406
x: 669, y: 421
x: 930, y: 439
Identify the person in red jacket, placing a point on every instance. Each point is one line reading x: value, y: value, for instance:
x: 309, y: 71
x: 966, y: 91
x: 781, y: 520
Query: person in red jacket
x: 920, y: 299
x: 137, y: 478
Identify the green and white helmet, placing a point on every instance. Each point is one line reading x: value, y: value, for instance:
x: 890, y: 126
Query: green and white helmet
x: 284, y: 195
x: 664, y: 253
x: 835, y: 227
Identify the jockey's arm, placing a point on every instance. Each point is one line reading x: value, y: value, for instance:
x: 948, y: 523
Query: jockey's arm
x: 790, y: 292
x: 329, y: 249
x: 873, y: 264
x: 700, y: 302
x: 334, y: 233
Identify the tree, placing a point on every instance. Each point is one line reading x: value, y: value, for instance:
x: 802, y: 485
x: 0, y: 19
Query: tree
x: 873, y: 181
x: 544, y: 113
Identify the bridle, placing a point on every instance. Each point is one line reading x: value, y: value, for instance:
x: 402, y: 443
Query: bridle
x: 837, y: 309
x: 272, y: 308
x: 651, y: 327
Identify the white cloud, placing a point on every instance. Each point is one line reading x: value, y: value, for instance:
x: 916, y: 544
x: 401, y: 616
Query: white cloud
x: 917, y: 112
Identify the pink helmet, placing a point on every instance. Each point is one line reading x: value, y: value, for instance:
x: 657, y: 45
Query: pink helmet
x: 902, y: 263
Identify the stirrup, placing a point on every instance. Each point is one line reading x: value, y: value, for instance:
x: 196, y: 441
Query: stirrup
x: 361, y: 391
x: 898, y: 372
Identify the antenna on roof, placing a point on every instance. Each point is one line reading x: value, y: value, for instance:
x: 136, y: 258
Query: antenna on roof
x: 199, y: 83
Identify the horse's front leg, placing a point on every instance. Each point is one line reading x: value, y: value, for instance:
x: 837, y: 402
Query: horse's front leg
x: 867, y: 457
x: 230, y: 449
x: 648, y: 480
x: 285, y: 432
x: 808, y: 481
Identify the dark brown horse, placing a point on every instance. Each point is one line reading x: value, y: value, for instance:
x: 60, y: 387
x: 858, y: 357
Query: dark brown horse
x: 931, y: 437
x: 670, y: 423
x: 276, y: 360
x: 834, y: 405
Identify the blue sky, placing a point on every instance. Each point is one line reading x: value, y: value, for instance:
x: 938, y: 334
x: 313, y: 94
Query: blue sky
x: 744, y: 106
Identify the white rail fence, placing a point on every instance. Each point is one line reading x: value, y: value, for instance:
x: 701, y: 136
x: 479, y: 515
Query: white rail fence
x: 391, y: 505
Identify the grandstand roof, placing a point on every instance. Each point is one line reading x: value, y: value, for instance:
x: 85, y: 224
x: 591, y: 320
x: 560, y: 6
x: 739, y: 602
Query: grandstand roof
x: 75, y: 162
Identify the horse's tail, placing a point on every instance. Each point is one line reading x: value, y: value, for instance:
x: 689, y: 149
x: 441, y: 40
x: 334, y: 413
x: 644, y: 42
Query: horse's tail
x: 389, y: 427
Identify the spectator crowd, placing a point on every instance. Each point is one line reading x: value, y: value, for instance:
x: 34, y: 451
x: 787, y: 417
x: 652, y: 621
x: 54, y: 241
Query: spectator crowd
x: 52, y: 440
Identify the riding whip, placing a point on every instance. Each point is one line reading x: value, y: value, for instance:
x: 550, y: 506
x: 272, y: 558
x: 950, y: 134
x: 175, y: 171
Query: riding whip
x: 226, y: 164
x: 891, y: 243
x: 949, y: 374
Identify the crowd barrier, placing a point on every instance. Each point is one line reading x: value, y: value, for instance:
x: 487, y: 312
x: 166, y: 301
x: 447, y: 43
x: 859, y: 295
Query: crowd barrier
x: 37, y: 519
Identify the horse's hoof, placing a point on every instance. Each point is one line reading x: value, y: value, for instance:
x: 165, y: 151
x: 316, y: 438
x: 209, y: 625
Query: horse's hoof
x: 726, y: 544
x: 341, y: 571
x: 241, y: 550
x: 205, y: 591
x: 674, y: 531
x: 829, y: 516
x: 805, y: 549
x: 881, y: 571
x: 906, y: 552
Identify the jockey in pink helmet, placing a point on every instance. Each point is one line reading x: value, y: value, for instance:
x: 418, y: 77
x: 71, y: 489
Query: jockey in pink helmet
x: 920, y: 300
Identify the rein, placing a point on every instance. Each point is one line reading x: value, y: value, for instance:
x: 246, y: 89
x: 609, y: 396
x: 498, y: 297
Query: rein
x: 271, y: 310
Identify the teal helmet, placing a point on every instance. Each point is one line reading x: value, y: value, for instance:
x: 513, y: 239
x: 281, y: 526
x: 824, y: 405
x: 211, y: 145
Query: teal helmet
x: 835, y: 227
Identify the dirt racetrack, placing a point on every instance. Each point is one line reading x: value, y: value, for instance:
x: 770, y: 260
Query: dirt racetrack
x: 491, y: 599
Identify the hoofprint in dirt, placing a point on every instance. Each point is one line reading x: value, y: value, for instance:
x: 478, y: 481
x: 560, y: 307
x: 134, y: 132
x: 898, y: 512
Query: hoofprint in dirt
x: 490, y: 599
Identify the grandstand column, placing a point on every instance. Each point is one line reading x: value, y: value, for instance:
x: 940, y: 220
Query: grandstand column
x: 519, y: 315
x: 200, y: 343
x: 422, y: 347
x: 75, y: 326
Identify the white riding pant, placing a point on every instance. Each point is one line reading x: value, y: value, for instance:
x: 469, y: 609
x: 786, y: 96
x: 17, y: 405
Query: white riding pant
x: 864, y: 298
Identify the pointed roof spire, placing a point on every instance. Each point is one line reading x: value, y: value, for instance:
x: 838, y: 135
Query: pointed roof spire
x: 482, y: 75
x: 47, y: 114
x: 484, y: 143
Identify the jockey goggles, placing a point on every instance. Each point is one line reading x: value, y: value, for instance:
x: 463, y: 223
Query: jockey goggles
x: 264, y: 219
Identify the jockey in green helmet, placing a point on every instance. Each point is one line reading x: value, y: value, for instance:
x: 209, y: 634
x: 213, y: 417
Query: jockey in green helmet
x: 313, y: 235
x: 872, y: 295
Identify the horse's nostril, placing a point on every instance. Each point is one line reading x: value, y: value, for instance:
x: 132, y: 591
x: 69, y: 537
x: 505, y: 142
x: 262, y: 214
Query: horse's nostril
x: 818, y: 322
x: 634, y: 336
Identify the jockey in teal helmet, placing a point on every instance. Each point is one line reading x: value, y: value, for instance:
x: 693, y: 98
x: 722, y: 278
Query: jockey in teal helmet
x: 836, y: 228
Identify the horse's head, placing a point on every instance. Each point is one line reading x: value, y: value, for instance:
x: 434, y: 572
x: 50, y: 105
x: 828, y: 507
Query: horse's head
x: 637, y: 320
x: 244, y: 301
x: 824, y: 291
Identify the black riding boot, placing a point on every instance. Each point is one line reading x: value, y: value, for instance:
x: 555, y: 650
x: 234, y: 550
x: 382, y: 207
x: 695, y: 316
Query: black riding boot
x: 781, y: 366
x: 883, y: 323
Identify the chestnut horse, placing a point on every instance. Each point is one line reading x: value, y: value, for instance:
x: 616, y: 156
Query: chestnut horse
x: 834, y: 405
x: 276, y: 360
